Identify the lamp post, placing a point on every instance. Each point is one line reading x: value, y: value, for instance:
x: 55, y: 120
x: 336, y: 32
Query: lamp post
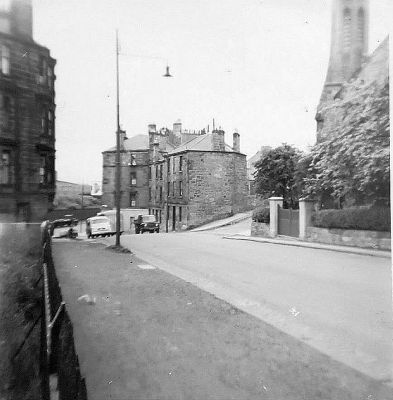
x: 118, y: 132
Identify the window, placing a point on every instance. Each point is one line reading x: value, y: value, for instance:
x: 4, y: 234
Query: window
x: 133, y: 159
x: 6, y: 108
x: 6, y: 173
x: 133, y: 178
x: 169, y: 165
x: 156, y: 171
x: 149, y: 193
x: 42, y: 69
x: 180, y: 188
x: 347, y: 29
x: 169, y: 189
x: 173, y: 165
x: 180, y: 216
x: 50, y: 122
x: 50, y: 77
x: 160, y: 193
x: 132, y: 200
x: 42, y: 169
x: 5, y: 60
x: 149, y: 172
x: 161, y: 171
x: 174, y: 189
x: 181, y: 163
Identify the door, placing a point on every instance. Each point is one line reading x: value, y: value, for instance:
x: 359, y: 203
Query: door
x: 173, y: 218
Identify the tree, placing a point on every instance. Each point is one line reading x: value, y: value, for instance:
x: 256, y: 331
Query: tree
x: 275, y: 174
x: 353, y: 163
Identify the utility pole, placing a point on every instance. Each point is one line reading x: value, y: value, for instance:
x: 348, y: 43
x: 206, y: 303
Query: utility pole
x: 117, y: 145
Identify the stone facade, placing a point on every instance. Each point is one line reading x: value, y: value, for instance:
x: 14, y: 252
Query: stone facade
x: 27, y: 117
x: 196, y: 178
x: 134, y: 176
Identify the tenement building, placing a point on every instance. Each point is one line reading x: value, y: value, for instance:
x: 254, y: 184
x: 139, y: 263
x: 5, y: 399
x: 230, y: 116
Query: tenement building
x: 189, y: 177
x: 27, y: 117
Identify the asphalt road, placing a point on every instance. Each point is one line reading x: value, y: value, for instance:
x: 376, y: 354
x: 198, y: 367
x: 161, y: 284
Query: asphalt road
x: 337, y: 303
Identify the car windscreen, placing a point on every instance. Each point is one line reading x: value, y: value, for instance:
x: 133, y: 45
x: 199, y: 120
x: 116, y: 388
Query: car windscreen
x: 149, y: 218
x: 99, y: 221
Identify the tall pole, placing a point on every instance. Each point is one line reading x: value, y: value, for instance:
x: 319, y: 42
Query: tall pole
x: 117, y: 145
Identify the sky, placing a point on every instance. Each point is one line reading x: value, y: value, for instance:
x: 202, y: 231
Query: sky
x: 255, y: 66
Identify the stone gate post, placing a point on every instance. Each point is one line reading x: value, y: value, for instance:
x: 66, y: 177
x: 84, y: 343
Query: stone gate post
x: 306, y: 207
x: 274, y: 202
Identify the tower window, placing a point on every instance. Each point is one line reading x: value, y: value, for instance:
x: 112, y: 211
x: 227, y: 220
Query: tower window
x: 6, y: 176
x: 347, y: 29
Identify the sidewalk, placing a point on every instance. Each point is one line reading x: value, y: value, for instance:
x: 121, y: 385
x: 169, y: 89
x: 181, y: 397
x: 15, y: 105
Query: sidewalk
x: 151, y: 335
x: 288, y: 241
x: 223, y: 222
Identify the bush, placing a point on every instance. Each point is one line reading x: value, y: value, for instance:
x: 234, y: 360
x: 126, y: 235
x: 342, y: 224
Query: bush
x: 369, y: 219
x: 261, y: 214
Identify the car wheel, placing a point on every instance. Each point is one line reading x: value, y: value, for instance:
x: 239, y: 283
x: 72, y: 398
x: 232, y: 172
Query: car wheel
x: 158, y: 231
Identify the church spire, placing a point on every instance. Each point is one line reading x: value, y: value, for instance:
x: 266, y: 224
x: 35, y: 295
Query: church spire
x: 349, y: 43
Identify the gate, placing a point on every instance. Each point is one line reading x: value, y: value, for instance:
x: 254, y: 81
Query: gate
x: 288, y: 222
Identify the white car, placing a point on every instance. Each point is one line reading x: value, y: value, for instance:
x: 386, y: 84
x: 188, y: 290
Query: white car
x: 98, y: 226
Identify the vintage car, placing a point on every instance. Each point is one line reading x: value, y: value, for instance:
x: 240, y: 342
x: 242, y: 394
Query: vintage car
x: 146, y: 223
x: 64, y: 228
x: 99, y: 226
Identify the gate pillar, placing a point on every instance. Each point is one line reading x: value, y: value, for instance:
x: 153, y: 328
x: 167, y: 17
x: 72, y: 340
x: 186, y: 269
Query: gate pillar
x: 274, y: 202
x: 306, y: 207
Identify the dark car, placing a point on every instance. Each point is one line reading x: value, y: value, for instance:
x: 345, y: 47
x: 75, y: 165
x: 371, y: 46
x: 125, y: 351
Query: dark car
x: 146, y: 223
x: 64, y: 227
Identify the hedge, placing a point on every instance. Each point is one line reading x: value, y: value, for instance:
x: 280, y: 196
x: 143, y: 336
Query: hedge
x: 369, y: 219
x: 261, y: 214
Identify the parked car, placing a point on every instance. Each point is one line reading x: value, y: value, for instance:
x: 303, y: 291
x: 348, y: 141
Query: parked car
x: 146, y: 223
x: 98, y: 226
x: 64, y: 228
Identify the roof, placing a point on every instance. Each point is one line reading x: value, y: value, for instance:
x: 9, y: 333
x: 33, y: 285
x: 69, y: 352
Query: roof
x: 200, y: 143
x: 137, y: 142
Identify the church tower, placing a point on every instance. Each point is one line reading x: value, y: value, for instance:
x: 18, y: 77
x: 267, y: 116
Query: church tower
x: 349, y: 44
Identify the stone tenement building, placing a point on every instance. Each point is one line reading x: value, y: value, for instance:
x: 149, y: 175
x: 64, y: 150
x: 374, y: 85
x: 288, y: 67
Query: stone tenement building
x: 185, y: 178
x: 350, y: 68
x: 27, y: 116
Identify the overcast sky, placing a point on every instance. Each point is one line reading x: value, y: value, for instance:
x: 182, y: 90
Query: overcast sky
x: 257, y: 66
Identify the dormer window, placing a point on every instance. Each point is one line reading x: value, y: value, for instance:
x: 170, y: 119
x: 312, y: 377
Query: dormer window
x: 5, y: 60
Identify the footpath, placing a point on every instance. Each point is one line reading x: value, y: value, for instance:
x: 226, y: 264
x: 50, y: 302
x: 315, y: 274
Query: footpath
x: 141, y: 333
x: 285, y: 240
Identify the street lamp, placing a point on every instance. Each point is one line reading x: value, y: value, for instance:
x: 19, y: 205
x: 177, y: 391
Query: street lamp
x: 118, y: 130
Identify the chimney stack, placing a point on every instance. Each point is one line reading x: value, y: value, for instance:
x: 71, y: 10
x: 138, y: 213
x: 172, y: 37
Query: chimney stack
x: 236, y: 142
x: 177, y: 128
x: 218, y: 140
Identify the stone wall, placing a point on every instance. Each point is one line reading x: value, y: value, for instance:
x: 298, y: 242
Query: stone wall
x: 260, y: 229
x: 217, y: 186
x: 127, y: 161
x: 346, y: 237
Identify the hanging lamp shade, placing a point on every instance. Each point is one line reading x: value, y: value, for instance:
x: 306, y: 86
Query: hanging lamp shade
x: 167, y: 73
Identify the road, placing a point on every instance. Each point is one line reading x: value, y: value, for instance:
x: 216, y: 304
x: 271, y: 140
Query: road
x: 338, y: 303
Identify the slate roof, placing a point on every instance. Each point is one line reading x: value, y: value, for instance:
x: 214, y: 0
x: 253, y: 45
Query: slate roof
x: 137, y: 142
x: 201, y: 143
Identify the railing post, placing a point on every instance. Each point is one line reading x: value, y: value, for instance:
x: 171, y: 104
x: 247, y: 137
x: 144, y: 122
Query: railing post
x: 274, y: 202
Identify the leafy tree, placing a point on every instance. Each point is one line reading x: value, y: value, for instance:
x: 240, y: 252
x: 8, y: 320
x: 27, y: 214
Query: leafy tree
x: 275, y: 174
x: 353, y: 162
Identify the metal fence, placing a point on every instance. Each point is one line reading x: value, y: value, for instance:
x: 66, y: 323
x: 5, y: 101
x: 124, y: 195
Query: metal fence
x: 59, y: 361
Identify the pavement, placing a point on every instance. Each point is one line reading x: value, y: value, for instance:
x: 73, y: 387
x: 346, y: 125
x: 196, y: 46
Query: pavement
x: 244, y: 233
x: 153, y: 335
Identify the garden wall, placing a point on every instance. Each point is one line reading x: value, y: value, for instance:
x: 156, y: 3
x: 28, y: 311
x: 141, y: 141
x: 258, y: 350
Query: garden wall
x: 349, y: 237
x: 260, y: 229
